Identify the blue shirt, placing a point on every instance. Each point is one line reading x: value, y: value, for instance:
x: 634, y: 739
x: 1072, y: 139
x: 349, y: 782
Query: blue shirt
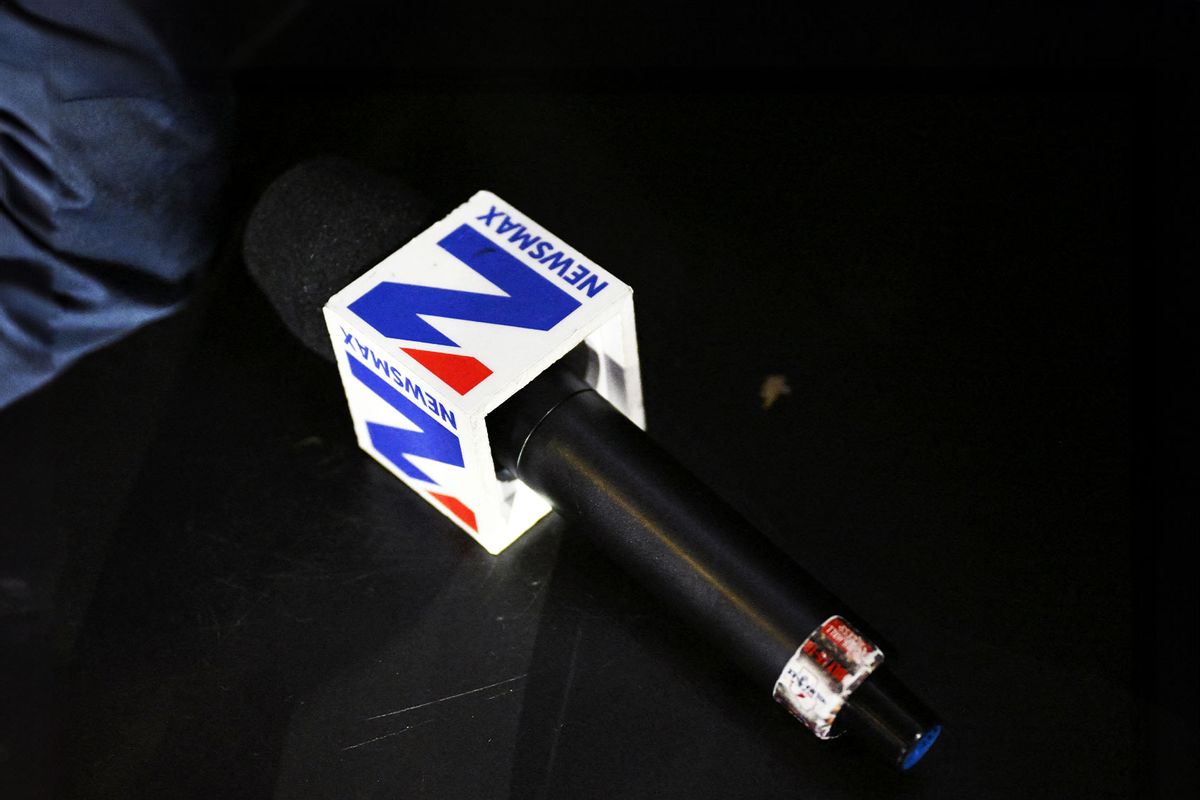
x: 111, y: 165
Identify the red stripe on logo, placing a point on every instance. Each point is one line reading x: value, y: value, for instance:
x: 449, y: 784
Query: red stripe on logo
x: 460, y: 373
x: 457, y: 509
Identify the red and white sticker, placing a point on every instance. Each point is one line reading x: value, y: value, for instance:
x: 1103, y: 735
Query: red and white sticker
x: 830, y: 664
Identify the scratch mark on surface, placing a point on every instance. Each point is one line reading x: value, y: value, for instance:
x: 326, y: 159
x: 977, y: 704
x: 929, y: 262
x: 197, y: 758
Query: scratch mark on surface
x: 562, y: 711
x: 537, y: 593
x: 388, y: 735
x: 449, y: 697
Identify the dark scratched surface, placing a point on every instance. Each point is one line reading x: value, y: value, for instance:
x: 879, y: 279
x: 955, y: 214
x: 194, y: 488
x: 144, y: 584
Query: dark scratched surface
x: 946, y: 282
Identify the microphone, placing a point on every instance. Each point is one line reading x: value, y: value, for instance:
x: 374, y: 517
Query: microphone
x: 322, y: 224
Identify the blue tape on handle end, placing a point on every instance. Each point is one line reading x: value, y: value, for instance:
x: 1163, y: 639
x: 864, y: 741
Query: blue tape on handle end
x: 921, y: 747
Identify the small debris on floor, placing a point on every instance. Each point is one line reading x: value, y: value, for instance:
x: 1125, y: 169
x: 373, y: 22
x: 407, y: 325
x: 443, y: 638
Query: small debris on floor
x: 773, y: 387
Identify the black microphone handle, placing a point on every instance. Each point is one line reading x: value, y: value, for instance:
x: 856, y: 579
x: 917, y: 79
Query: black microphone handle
x: 324, y: 221
x: 685, y: 543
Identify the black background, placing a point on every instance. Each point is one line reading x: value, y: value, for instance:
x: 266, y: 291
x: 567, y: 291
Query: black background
x: 943, y: 231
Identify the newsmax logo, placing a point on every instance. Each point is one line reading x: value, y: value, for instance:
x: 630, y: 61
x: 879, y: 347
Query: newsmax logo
x: 533, y: 298
x: 431, y: 440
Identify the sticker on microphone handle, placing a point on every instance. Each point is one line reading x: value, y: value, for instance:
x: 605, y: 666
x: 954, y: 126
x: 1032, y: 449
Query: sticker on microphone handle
x: 830, y: 664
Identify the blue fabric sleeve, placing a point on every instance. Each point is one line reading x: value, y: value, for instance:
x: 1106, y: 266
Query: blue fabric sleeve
x: 111, y: 166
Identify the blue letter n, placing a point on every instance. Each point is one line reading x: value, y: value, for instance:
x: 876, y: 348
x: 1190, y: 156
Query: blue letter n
x: 396, y: 444
x: 533, y: 301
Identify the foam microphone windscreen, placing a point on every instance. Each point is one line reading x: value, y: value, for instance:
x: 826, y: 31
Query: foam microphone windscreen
x: 318, y: 227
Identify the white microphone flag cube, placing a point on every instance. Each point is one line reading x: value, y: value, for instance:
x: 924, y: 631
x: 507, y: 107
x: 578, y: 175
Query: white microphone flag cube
x: 444, y: 330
